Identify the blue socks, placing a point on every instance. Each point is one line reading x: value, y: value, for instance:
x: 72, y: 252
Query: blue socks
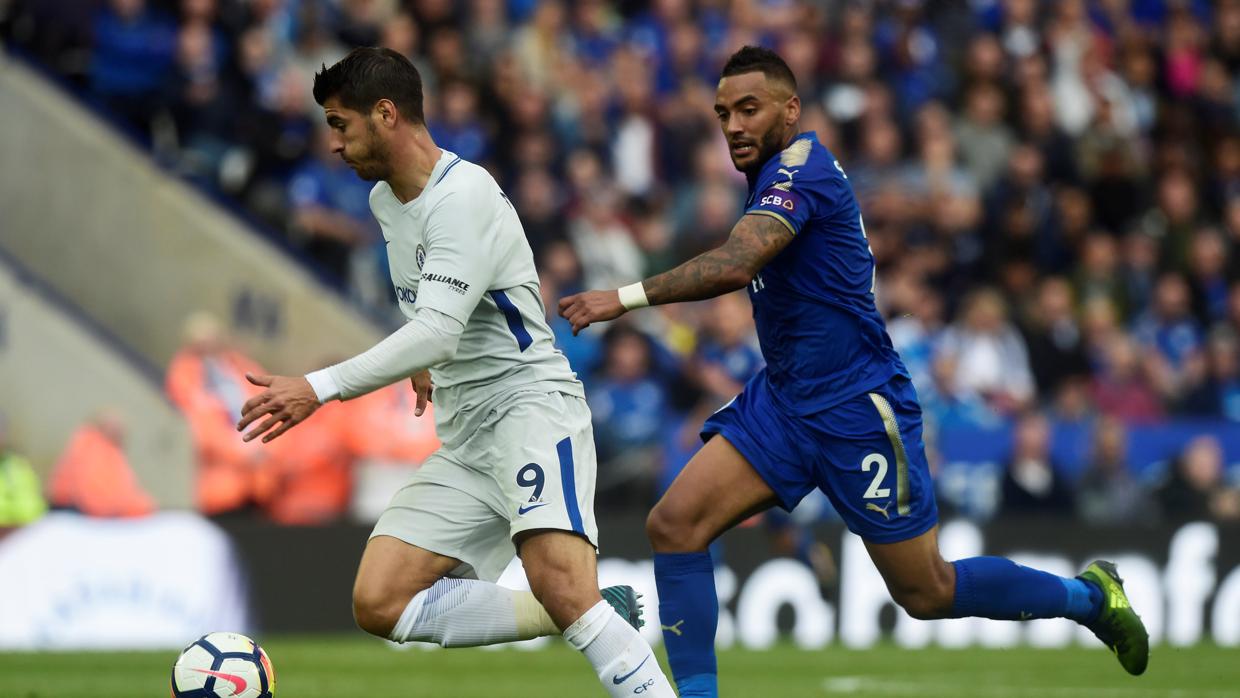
x: 988, y: 587
x: 996, y: 587
x: 689, y: 612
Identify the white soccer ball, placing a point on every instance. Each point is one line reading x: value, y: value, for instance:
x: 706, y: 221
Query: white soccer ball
x: 223, y: 665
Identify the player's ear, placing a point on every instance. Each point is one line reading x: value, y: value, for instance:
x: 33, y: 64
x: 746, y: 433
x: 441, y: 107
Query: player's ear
x: 385, y: 112
x: 792, y: 110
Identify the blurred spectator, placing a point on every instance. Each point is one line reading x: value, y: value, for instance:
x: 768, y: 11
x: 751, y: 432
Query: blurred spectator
x: 915, y: 332
x: 331, y: 216
x: 1039, y: 129
x: 1032, y: 485
x: 1056, y: 346
x: 630, y: 407
x: 21, y: 496
x: 1121, y: 387
x: 1172, y: 337
x: 93, y: 475
x: 1140, y: 270
x: 277, y: 136
x: 1175, y: 218
x: 1107, y: 492
x: 133, y: 49
x: 984, y: 139
x: 1022, y: 205
x: 458, y: 127
x: 609, y: 256
x: 206, y: 381
x: 1098, y: 273
x: 948, y: 406
x: 381, y: 426
x: 1217, y: 393
x: 312, y: 474
x: 202, y: 103
x: 1195, y: 489
x: 559, y: 276
x: 727, y: 357
x: 1207, y: 265
x: 993, y: 351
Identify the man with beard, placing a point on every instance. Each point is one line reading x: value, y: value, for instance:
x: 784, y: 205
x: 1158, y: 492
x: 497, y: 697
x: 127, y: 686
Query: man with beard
x: 516, y: 471
x: 833, y: 409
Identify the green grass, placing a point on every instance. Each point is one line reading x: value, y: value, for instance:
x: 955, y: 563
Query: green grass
x: 356, y: 667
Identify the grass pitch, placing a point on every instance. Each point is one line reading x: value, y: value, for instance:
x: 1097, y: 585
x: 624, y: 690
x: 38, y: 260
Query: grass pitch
x: 357, y: 667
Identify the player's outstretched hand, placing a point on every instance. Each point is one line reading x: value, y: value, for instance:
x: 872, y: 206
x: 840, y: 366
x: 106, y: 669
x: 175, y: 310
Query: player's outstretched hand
x: 583, y: 309
x: 286, y: 401
x: 423, y: 388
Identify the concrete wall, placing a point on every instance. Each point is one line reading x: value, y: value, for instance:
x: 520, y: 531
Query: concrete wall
x: 137, y: 250
x: 55, y: 373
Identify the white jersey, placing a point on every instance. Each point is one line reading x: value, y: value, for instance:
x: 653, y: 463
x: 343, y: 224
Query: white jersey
x: 459, y: 248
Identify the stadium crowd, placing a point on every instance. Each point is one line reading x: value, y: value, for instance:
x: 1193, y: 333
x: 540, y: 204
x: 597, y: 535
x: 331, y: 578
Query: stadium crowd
x: 1051, y: 191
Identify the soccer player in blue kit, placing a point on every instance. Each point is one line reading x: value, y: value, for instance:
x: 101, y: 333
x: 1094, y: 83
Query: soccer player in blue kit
x: 833, y: 409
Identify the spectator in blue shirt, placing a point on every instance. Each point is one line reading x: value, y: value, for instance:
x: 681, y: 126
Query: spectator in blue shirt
x: 134, y: 46
x: 629, y: 405
x: 458, y: 127
x: 1171, y: 336
x: 330, y: 208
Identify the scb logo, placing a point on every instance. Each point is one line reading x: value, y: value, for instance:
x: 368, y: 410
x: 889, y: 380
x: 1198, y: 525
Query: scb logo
x: 777, y: 200
x: 644, y: 687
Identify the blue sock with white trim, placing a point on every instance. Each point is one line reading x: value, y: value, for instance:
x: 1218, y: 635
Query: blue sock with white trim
x: 996, y: 587
x: 689, y: 613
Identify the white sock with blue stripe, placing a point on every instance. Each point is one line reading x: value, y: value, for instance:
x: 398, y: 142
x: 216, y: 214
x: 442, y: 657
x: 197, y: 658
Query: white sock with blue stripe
x: 623, y: 660
x: 469, y: 613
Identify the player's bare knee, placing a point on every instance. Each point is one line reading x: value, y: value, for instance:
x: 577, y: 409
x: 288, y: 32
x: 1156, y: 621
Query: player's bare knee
x: 377, y: 609
x: 923, y: 606
x: 670, y: 532
x: 927, y: 599
x: 375, y: 614
x: 566, y: 593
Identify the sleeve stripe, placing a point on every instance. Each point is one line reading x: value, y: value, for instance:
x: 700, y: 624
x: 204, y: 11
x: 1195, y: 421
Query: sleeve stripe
x: 772, y: 214
x: 515, y: 324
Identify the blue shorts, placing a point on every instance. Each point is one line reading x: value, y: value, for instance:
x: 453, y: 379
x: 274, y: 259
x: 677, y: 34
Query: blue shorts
x: 866, y: 454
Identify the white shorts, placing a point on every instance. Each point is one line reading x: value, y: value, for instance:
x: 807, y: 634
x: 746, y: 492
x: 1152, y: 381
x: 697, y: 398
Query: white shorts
x: 531, y: 465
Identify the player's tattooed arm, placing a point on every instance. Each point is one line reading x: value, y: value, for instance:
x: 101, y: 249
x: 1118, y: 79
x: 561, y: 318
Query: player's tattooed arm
x: 754, y: 241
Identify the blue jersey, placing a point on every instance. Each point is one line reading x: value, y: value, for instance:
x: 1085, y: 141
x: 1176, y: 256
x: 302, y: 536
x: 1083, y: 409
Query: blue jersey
x: 823, y: 339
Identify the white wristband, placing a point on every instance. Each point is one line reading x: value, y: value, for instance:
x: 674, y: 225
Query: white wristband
x: 633, y: 296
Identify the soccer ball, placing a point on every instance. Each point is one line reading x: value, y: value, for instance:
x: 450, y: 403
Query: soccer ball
x: 223, y: 665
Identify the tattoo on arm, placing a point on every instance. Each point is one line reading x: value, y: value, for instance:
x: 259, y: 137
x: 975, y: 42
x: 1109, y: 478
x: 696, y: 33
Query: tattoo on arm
x: 754, y: 241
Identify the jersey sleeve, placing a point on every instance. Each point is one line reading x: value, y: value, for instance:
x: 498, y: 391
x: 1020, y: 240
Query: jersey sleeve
x: 783, y: 195
x: 460, y: 263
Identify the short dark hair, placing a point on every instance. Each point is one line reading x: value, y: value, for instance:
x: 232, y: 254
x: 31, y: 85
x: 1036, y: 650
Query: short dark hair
x: 751, y: 59
x: 369, y: 74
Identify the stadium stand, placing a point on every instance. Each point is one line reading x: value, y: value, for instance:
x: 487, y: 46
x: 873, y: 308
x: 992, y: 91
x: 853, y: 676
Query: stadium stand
x: 1052, y: 190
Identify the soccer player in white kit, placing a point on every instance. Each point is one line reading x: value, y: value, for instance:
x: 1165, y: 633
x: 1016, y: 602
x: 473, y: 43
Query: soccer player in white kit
x: 517, y: 467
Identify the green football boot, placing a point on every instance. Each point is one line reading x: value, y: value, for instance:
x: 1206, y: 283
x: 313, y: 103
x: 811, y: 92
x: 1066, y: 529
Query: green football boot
x: 626, y: 602
x: 1117, y: 625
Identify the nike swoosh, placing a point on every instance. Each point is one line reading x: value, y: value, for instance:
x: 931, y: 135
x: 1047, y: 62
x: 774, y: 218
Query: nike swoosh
x: 621, y: 679
x: 238, y: 683
x: 522, y: 511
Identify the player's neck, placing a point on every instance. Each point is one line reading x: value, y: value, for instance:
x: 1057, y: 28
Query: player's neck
x: 413, y: 160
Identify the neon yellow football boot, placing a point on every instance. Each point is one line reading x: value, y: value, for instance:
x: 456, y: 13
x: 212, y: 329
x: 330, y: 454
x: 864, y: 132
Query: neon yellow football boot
x: 1117, y: 625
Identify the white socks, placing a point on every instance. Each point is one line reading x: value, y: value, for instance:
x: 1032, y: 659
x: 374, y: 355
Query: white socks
x: 624, y: 662
x: 468, y: 613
